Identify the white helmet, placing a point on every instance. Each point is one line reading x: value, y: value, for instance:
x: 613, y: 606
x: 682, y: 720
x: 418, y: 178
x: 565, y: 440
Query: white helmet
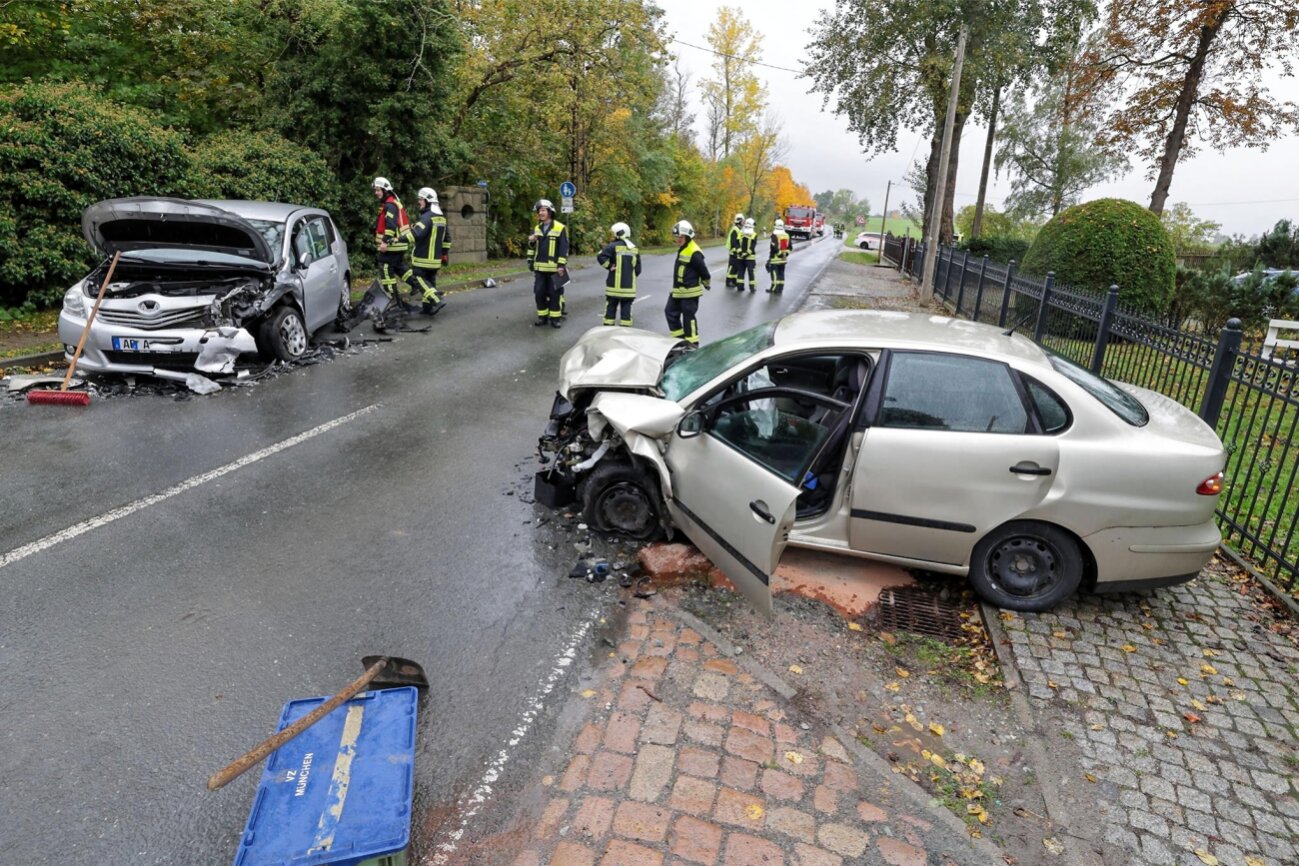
x: 621, y: 230
x: 543, y: 202
x: 683, y: 228
x: 381, y: 183
x: 739, y: 218
x: 780, y: 224
x: 748, y: 223
x: 428, y: 194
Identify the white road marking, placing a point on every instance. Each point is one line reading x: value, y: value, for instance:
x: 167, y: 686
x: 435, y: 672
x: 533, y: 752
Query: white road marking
x: 496, y: 766
x: 21, y: 553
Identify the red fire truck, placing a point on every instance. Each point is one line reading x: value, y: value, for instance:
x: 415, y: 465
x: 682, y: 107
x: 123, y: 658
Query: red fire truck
x: 803, y: 221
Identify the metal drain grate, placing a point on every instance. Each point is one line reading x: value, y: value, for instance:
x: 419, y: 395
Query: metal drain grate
x: 919, y: 611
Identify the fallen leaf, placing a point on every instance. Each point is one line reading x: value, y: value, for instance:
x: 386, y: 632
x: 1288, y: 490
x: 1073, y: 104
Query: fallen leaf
x: 1208, y: 669
x: 1097, y: 727
x: 754, y: 811
x: 888, y: 638
x: 1052, y: 845
x: 1212, y: 699
x: 1206, y: 858
x: 879, y: 729
x: 1197, y: 705
x: 794, y: 757
x: 1052, y: 684
x: 547, y: 781
x: 977, y: 766
x: 1254, y: 861
x: 1128, y: 648
x: 938, y: 760
x: 1183, y: 681
x: 1063, y: 635
x: 795, y: 669
x: 1208, y: 653
x: 982, y: 678
x: 1091, y: 777
x: 853, y: 626
x: 914, y: 722
x: 902, y: 672
x: 588, y: 693
x: 1172, y: 735
x: 1238, y: 696
x: 1148, y: 625
x: 1006, y: 616
x: 1228, y: 681
x: 1191, y: 717
x: 893, y: 686
x: 936, y: 729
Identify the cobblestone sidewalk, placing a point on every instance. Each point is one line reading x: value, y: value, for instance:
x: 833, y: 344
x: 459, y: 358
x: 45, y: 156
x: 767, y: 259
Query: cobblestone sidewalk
x: 1185, y: 707
x: 684, y: 757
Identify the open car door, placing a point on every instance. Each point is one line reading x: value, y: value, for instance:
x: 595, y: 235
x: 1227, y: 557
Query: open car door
x: 736, y: 467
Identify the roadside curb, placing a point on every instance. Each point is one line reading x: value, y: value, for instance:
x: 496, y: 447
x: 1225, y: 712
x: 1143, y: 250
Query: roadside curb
x: 910, y: 790
x: 31, y: 360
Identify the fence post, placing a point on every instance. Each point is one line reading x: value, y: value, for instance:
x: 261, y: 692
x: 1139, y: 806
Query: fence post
x: 1005, y: 294
x: 1040, y: 328
x: 960, y: 286
x: 902, y: 260
x: 951, y: 266
x: 978, y: 293
x: 1103, y: 329
x: 1224, y: 360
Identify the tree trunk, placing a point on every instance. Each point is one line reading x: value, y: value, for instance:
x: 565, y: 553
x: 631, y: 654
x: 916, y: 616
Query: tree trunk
x: 977, y: 229
x: 1185, y: 101
x: 947, y: 224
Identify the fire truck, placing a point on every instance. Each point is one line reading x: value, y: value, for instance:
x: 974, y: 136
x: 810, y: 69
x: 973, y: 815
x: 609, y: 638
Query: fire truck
x: 803, y: 221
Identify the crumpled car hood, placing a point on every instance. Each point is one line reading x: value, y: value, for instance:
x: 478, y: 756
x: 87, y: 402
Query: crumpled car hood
x: 146, y: 222
x: 612, y: 357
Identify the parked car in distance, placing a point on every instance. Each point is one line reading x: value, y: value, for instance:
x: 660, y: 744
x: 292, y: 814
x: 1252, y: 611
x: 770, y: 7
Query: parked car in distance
x: 867, y: 240
x: 927, y: 441
x: 201, y: 282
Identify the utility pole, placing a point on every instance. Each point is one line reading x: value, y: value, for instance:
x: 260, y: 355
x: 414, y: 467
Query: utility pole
x: 944, y: 159
x: 883, y: 218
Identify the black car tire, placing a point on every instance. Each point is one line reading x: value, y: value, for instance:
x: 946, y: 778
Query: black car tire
x: 283, y: 336
x: 622, y: 498
x: 1027, y: 566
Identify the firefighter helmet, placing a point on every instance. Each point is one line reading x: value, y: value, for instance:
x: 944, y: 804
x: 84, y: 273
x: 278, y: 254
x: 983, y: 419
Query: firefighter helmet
x: 780, y: 224
x: 621, y: 230
x: 543, y: 202
x: 739, y: 218
x: 428, y: 194
x: 748, y: 223
x: 683, y: 228
x: 382, y: 183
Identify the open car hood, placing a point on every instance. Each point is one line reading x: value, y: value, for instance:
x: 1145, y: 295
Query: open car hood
x: 128, y: 224
x: 606, y: 357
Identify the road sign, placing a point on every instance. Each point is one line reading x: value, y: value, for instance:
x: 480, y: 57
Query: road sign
x: 861, y: 220
x: 483, y: 184
x: 566, y: 204
x: 567, y: 190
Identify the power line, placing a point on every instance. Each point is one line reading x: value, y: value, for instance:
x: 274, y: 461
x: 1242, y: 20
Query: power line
x: 735, y: 57
x: 1261, y: 201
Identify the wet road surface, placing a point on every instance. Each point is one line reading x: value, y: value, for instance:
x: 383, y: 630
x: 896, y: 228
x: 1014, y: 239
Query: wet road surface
x: 174, y: 571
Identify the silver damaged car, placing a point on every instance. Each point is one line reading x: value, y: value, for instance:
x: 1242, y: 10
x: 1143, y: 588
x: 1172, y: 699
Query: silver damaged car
x: 926, y: 441
x: 201, y: 283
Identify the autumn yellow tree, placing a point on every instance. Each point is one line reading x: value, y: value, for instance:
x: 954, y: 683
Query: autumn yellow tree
x: 786, y: 191
x: 733, y: 97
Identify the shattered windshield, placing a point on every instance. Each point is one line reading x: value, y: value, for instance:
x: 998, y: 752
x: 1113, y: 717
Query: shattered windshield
x: 691, y: 371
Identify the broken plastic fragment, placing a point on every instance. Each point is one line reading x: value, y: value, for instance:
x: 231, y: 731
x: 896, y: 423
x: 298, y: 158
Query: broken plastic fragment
x: 221, y: 348
x: 201, y: 384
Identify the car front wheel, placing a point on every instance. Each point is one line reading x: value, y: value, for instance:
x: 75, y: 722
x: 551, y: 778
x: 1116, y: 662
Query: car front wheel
x: 621, y: 498
x: 283, y: 336
x: 1026, y: 566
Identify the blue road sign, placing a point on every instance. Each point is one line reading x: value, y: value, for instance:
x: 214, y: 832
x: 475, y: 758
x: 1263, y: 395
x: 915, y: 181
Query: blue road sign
x: 567, y: 189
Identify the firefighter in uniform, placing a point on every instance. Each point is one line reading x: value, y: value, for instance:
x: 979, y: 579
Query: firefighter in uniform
x: 430, y: 247
x: 733, y: 251
x: 622, y: 260
x: 690, y: 278
x: 748, y: 257
x: 548, y: 261
x: 777, y: 256
x: 390, y: 239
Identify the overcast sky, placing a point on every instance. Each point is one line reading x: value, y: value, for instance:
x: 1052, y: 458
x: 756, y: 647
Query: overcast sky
x: 1246, y: 191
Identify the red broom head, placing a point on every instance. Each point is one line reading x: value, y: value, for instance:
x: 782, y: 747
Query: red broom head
x: 60, y: 398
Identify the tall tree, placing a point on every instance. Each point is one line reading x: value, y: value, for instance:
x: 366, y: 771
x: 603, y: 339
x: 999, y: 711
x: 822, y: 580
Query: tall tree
x: 734, y: 95
x: 1048, y: 148
x: 1189, y: 234
x: 674, y: 104
x: 755, y: 157
x: 1191, y: 73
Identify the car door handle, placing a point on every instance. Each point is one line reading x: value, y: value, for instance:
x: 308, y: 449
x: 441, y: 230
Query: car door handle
x: 1028, y: 468
x: 759, y: 508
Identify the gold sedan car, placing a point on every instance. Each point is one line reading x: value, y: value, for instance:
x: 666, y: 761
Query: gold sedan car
x: 926, y: 441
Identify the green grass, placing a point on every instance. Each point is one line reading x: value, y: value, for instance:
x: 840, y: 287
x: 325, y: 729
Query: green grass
x: 897, y: 225
x: 860, y: 257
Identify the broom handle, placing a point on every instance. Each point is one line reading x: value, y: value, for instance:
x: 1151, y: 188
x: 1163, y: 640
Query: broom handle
x: 94, y: 311
x: 241, y: 765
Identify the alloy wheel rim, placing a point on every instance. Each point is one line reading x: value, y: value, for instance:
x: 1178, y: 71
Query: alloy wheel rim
x: 293, y: 335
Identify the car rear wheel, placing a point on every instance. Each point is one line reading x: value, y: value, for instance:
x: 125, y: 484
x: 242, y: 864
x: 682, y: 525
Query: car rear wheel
x: 283, y: 336
x: 623, y: 499
x: 1027, y: 566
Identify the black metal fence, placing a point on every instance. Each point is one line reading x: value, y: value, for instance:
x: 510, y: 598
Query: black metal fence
x: 1246, y: 397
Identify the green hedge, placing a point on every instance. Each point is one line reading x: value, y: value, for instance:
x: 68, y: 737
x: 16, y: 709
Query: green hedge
x: 260, y: 166
x: 1107, y: 242
x: 62, y: 148
x: 996, y: 248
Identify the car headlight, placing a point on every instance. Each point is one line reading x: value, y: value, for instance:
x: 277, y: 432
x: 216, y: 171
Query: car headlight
x: 74, y: 302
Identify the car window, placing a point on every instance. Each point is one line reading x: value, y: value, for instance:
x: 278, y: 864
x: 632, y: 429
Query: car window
x: 1113, y: 397
x: 688, y: 372
x: 951, y: 392
x: 774, y: 432
x: 1051, y: 410
x: 319, y: 239
x: 301, y: 242
x: 272, y: 231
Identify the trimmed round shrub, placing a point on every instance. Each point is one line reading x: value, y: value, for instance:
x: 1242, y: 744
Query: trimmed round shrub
x: 64, y: 147
x: 260, y: 166
x: 1107, y: 242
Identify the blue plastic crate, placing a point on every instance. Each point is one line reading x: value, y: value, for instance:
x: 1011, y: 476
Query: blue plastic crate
x: 340, y: 792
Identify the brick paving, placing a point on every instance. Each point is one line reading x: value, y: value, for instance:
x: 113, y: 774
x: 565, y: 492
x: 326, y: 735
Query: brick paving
x: 683, y: 757
x: 1186, y: 710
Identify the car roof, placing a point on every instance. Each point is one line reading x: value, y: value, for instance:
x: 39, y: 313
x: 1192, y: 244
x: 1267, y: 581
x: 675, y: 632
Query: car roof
x: 270, y: 211
x: 899, y: 330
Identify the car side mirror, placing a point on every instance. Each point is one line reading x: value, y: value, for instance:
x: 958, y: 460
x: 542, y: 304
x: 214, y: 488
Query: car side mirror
x: 692, y: 424
x: 304, y: 261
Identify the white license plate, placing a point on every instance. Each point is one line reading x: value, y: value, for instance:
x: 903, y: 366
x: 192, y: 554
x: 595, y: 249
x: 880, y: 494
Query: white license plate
x: 143, y: 344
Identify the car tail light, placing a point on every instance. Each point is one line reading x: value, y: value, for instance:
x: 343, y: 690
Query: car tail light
x: 1210, y: 486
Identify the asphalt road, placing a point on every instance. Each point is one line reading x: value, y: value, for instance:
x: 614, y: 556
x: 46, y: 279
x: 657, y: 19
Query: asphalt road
x: 174, y: 571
